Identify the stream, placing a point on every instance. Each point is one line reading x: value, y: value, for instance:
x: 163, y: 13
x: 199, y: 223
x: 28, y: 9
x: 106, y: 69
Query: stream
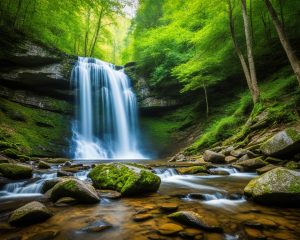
x: 216, y: 197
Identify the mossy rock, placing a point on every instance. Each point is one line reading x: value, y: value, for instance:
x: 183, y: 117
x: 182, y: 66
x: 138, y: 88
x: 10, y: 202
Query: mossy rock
x: 43, y: 165
x: 192, y: 170
x: 291, y: 165
x: 30, y: 213
x: 279, y: 186
x: 286, y: 142
x: 15, y: 171
x: 10, y: 152
x: 126, y: 179
x: 251, y: 164
x: 74, y: 188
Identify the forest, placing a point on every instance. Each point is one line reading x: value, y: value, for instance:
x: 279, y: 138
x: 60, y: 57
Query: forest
x: 149, y: 119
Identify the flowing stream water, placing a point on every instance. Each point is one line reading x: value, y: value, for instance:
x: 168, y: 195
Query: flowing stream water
x: 106, y: 125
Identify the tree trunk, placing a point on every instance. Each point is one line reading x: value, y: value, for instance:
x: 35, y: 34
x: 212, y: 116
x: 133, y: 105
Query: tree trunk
x: 250, y: 53
x: 86, y: 38
x: 238, y: 50
x: 281, y: 13
x: 284, y: 41
x: 206, y: 99
x: 17, y: 13
x: 251, y: 21
x: 96, y: 34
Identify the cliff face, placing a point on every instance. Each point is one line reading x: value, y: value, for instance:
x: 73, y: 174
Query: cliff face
x: 35, y: 99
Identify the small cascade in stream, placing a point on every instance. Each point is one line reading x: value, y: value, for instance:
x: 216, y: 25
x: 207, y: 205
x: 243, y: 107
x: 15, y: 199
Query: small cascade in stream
x: 106, y: 124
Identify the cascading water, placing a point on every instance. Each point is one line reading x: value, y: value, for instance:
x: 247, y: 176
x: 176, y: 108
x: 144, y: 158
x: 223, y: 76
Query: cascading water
x: 106, y: 124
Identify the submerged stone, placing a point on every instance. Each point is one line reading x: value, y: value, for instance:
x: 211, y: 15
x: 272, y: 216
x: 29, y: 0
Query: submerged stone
x: 15, y: 171
x: 169, y: 229
x: 279, y: 186
x: 74, y: 188
x: 286, y: 142
x: 96, y: 226
x: 126, y: 179
x: 30, y: 213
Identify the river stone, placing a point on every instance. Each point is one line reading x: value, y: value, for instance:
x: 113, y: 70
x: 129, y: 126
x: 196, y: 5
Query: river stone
x: 213, y: 157
x: 251, y: 164
x: 126, y: 179
x: 47, y: 235
x: 74, y: 188
x: 265, y: 169
x: 43, y: 165
x: 230, y: 159
x: 96, y: 226
x: 30, y: 213
x: 109, y: 194
x: 238, y: 152
x: 65, y: 201
x: 191, y: 170
x: 279, y: 186
x: 142, y: 217
x: 168, y: 207
x: 15, y: 171
x: 286, y: 142
x: 61, y: 173
x: 50, y: 183
x: 169, y: 229
x: 195, y: 220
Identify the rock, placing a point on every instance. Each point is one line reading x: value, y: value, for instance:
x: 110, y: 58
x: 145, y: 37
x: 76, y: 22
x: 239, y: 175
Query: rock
x: 48, y: 184
x: 61, y: 173
x: 191, y: 233
x: 254, y: 234
x: 30, y: 213
x: 230, y: 159
x: 179, y: 157
x: 286, y: 142
x: 195, y: 220
x: 15, y: 171
x: 218, y: 172
x: 97, y: 226
x: 252, y: 164
x: 168, y: 207
x: 198, y: 196
x: 57, y: 160
x: 296, y: 157
x: 126, y: 179
x: 47, y: 235
x: 192, y: 170
x: 169, y: 229
x: 213, y: 157
x: 279, y: 186
x: 142, y: 217
x: 265, y: 169
x: 43, y: 165
x: 291, y: 165
x: 243, y: 158
x: 273, y: 160
x: 238, y: 152
x: 227, y: 150
x: 74, y: 188
x: 109, y: 194
x: 65, y: 201
x: 4, y: 181
x: 67, y: 164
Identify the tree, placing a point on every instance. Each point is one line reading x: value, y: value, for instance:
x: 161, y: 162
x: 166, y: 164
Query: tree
x: 294, y: 61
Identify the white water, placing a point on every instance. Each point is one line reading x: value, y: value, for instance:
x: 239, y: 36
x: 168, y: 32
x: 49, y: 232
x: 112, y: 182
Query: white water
x: 106, y: 125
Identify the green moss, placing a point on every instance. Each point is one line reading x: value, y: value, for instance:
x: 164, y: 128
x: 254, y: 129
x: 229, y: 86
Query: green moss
x: 15, y: 171
x: 291, y: 165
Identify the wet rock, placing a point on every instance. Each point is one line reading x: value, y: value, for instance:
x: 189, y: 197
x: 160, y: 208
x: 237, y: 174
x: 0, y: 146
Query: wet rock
x: 265, y: 169
x: 43, y: 165
x: 253, y: 234
x: 5, y: 227
x: 213, y: 157
x: 191, y: 233
x: 230, y: 159
x: 291, y: 165
x: 169, y: 229
x: 67, y: 164
x: 238, y: 152
x: 56, y: 160
x: 195, y: 220
x: 61, y: 173
x: 48, y: 184
x: 4, y: 181
x: 279, y: 186
x: 109, y: 194
x: 71, y: 169
x: 30, y: 213
x: 65, y: 201
x: 126, y: 179
x: 198, y: 196
x: 244, y: 157
x: 97, y: 226
x: 15, y: 171
x: 74, y: 188
x: 168, y: 207
x: 235, y: 196
x: 47, y: 235
x: 286, y: 142
x: 273, y: 160
x: 251, y: 164
x: 218, y: 172
x: 227, y: 150
x: 142, y: 217
x: 192, y: 170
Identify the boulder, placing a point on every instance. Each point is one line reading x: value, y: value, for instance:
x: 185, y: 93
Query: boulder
x: 15, y: 171
x: 230, y: 159
x: 195, y: 220
x: 251, y: 164
x: 30, y: 213
x: 279, y: 186
x: 74, y: 188
x: 43, y: 165
x: 292, y: 165
x: 61, y: 173
x: 192, y: 170
x: 213, y: 157
x: 265, y: 169
x: 126, y: 179
x: 238, y: 152
x: 286, y: 142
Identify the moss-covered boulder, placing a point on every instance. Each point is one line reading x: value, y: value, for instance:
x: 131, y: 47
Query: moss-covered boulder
x: 74, y: 188
x: 15, y: 171
x: 43, y: 165
x: 292, y: 165
x: 286, y: 142
x: 28, y: 214
x: 126, y: 179
x: 251, y: 164
x: 192, y: 170
x: 279, y: 186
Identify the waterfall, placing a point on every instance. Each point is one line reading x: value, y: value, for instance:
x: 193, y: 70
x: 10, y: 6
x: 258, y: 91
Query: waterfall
x: 106, y: 123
